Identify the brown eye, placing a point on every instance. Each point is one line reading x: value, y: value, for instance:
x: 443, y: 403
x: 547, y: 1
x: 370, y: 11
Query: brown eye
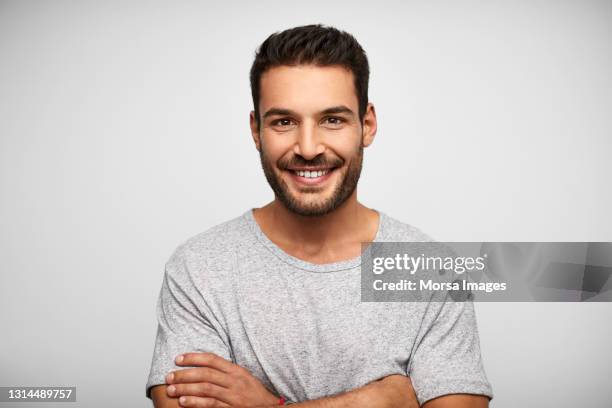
x: 282, y: 122
x: 334, y: 121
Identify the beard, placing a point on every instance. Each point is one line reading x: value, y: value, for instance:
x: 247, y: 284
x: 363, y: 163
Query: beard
x: 341, y: 192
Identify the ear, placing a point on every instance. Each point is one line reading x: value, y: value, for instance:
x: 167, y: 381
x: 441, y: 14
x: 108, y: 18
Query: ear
x: 369, y: 125
x: 254, y: 130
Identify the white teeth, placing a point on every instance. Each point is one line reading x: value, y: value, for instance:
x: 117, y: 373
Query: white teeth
x: 311, y: 174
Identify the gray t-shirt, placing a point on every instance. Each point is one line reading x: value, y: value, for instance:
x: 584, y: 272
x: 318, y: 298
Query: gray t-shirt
x: 299, y: 327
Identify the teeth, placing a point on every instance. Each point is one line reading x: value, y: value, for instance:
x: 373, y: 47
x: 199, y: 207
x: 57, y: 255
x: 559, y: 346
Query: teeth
x: 311, y: 174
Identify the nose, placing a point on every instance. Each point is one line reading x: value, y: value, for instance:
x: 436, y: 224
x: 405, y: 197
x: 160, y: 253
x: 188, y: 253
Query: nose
x: 309, y: 143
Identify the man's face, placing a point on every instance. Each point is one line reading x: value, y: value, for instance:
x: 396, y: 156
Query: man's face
x: 310, y: 140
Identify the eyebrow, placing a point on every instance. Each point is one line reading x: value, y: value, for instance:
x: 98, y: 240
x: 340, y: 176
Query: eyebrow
x: 333, y: 109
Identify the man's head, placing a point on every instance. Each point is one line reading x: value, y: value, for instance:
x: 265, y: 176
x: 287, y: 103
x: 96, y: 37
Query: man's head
x: 311, y: 117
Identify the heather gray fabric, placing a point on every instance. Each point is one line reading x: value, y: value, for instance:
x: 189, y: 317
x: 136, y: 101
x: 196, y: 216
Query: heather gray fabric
x: 300, y: 327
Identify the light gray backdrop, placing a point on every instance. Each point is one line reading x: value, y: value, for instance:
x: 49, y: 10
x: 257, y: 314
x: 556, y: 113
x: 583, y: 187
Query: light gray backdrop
x: 124, y: 131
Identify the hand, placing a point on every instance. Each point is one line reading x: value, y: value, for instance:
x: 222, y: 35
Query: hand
x: 216, y: 382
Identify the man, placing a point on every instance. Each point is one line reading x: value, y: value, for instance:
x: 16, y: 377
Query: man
x: 265, y: 308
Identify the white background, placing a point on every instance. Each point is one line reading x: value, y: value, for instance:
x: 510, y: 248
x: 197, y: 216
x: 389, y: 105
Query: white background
x: 124, y: 131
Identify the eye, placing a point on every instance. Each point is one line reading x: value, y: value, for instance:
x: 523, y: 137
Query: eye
x: 334, y: 121
x: 283, y: 122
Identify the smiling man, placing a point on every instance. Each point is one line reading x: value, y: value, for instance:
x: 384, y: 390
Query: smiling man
x: 264, y: 309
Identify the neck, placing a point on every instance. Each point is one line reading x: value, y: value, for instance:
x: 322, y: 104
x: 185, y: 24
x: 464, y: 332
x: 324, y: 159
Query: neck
x: 351, y: 222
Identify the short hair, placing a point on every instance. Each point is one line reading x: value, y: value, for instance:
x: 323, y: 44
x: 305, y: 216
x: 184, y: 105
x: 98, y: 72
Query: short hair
x: 315, y: 44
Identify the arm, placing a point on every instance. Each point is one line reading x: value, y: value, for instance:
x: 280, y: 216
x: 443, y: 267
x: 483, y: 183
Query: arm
x: 446, y: 367
x: 392, y: 396
x: 161, y: 399
x: 394, y: 391
x: 185, y: 322
x: 458, y: 401
x: 390, y: 392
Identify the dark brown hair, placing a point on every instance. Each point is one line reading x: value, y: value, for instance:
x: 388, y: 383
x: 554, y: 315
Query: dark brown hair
x: 312, y: 44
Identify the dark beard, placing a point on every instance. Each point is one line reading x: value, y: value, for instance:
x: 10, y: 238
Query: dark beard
x: 342, y: 192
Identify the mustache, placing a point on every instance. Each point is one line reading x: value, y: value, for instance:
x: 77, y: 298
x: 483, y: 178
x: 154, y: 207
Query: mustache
x: 298, y: 161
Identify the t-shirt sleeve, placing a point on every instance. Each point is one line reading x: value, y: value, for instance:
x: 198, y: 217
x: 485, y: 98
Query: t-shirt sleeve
x: 185, y: 320
x: 447, y: 358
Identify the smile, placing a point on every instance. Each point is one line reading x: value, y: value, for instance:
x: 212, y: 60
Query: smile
x: 311, y: 177
x: 311, y: 174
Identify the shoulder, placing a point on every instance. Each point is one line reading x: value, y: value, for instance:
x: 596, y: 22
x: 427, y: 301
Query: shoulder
x: 395, y: 230
x: 216, y: 245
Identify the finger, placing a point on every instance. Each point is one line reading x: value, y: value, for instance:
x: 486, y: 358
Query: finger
x: 205, y: 359
x: 199, y: 375
x: 200, y: 390
x: 199, y: 402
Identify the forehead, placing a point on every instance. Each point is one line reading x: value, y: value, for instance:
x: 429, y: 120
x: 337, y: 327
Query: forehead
x: 307, y: 88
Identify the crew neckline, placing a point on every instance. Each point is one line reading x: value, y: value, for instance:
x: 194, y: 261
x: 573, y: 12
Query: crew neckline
x: 305, y: 265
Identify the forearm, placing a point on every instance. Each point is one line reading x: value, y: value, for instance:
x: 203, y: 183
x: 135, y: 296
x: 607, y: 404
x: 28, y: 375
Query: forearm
x: 160, y: 398
x: 390, y: 392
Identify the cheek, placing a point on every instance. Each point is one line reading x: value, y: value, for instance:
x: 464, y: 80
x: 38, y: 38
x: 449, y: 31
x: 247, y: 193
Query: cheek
x: 347, y: 151
x: 344, y: 144
x: 271, y: 156
x: 345, y: 141
x: 275, y: 147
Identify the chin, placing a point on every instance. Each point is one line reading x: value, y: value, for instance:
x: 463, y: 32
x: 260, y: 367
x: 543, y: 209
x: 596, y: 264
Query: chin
x: 310, y: 208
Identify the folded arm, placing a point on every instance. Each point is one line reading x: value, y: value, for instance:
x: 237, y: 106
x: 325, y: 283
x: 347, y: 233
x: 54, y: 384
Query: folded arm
x: 391, y: 393
x: 394, y: 391
x: 212, y: 381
